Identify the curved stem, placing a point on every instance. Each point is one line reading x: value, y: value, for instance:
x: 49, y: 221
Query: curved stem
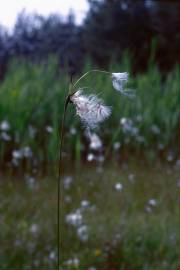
x: 61, y: 135
x: 93, y: 70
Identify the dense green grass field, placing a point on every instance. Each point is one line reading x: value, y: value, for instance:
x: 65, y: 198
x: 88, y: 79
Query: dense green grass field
x: 32, y: 99
x: 118, y: 217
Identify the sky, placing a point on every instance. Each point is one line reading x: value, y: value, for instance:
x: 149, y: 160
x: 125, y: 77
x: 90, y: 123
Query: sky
x: 10, y: 9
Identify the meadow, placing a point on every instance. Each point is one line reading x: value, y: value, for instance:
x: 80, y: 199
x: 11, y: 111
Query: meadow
x: 120, y: 200
x: 118, y: 217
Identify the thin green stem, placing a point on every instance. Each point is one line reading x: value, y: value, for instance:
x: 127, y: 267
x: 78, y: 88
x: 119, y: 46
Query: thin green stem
x: 93, y: 70
x: 60, y: 199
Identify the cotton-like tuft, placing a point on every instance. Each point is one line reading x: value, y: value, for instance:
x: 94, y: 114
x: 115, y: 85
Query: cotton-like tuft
x: 90, y: 109
x: 119, y: 80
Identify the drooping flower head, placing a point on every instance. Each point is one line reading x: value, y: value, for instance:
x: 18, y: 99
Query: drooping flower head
x: 90, y: 108
x: 119, y: 80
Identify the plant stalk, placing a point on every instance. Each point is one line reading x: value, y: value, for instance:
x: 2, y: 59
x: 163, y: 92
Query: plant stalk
x: 60, y: 199
x: 93, y: 70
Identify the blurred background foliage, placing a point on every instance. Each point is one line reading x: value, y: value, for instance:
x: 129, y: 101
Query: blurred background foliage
x: 32, y: 99
x: 111, y: 26
x: 40, y: 54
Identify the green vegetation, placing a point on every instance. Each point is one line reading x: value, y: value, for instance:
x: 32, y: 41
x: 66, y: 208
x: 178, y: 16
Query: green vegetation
x: 125, y: 218
x: 32, y: 98
x: 117, y: 217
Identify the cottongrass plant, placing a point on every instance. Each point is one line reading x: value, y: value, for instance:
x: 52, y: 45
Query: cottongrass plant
x: 92, y: 111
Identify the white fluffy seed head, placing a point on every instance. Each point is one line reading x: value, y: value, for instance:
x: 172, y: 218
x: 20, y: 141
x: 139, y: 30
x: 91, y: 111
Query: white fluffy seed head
x: 95, y: 142
x: 119, y: 80
x: 90, y: 109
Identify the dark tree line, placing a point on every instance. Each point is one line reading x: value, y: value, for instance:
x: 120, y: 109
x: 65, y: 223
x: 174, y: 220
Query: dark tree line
x: 114, y: 25
x: 111, y: 26
x: 36, y: 38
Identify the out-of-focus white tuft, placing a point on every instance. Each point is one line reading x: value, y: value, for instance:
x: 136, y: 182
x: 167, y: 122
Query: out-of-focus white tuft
x: 95, y: 142
x: 119, y: 80
x: 90, y: 109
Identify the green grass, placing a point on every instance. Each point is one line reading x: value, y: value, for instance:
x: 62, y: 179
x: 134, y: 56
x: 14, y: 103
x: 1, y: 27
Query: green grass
x: 32, y: 96
x: 125, y: 232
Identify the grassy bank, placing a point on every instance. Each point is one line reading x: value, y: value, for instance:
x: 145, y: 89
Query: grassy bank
x: 31, y: 101
x: 120, y: 218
